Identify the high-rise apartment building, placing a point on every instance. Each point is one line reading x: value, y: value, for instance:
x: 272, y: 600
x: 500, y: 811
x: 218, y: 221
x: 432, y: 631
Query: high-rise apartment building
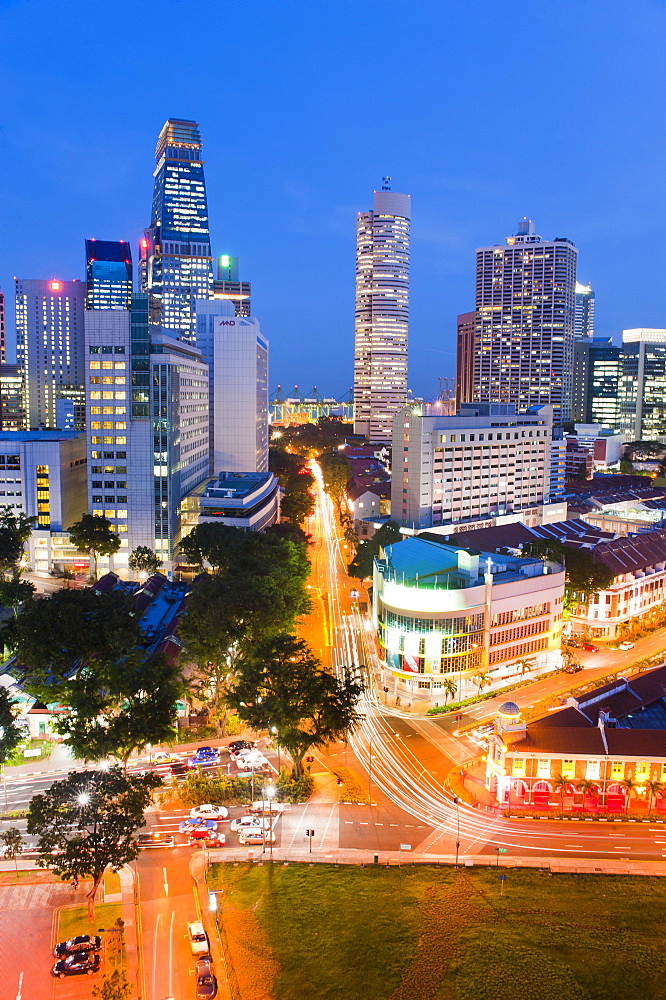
x: 176, y: 266
x: 108, y: 274
x: 525, y: 305
x: 642, y: 392
x: 237, y: 355
x: 584, y: 313
x: 465, y: 358
x: 49, y: 343
x: 382, y: 313
x: 486, y: 462
x: 3, y: 329
x: 147, y: 411
x: 227, y: 285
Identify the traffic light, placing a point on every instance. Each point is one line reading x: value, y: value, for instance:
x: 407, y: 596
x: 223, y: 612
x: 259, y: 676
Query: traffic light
x: 340, y: 781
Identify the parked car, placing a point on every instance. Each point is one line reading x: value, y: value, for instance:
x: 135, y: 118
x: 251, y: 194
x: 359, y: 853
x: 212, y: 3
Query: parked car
x: 188, y: 825
x: 205, y: 756
x: 209, y: 811
x: 250, y: 822
x: 198, y: 938
x: 206, y: 983
x: 590, y: 647
x: 572, y: 668
x: 250, y: 836
x: 81, y: 963
x: 626, y: 645
x: 266, y: 806
x: 147, y: 840
x: 84, y: 942
x: 206, y: 839
x: 251, y: 761
x: 237, y: 745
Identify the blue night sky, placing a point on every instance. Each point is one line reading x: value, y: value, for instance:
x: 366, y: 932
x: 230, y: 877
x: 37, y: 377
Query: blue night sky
x: 482, y: 111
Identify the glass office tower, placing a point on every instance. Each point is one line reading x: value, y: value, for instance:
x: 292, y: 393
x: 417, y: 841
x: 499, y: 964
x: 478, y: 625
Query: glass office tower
x: 176, y: 267
x: 108, y: 274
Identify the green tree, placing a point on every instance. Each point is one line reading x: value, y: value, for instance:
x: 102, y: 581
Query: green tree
x: 114, y: 986
x: 15, y: 592
x: 85, y: 823
x: 290, y: 532
x: 584, y: 576
x: 449, y: 688
x: 336, y: 473
x: 279, y: 685
x: 587, y: 787
x: 561, y: 784
x: 626, y: 467
x: 131, y: 706
x: 481, y: 679
x: 629, y: 787
x: 296, y: 481
x: 653, y: 789
x: 144, y: 560
x: 15, y: 530
x: 218, y: 546
x: 361, y: 565
x: 11, y: 730
x: 12, y: 844
x: 69, y: 631
x: 94, y: 534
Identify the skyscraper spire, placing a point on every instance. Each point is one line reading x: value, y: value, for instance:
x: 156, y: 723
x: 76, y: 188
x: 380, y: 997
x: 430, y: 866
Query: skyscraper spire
x: 176, y: 266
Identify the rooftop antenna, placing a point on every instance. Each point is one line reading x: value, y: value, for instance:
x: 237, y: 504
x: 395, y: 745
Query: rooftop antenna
x: 386, y: 183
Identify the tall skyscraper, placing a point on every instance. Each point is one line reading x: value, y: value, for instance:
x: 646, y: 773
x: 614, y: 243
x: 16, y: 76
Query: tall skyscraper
x: 382, y: 313
x: 584, y: 317
x: 237, y: 356
x: 643, y: 384
x: 12, y: 412
x: 3, y: 330
x: 465, y: 358
x: 227, y: 285
x: 598, y: 372
x: 147, y: 402
x: 524, y: 339
x: 49, y: 343
x: 108, y: 274
x: 176, y: 266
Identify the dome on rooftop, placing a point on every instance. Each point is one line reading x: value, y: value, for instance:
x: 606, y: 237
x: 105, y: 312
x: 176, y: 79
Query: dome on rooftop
x: 509, y: 709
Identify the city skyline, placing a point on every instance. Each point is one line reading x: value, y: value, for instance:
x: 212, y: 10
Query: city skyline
x: 285, y: 191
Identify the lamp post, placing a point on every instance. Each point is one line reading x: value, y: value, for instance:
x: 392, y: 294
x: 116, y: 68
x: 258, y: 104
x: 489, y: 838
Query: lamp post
x: 274, y: 732
x: 456, y: 802
x: 270, y: 792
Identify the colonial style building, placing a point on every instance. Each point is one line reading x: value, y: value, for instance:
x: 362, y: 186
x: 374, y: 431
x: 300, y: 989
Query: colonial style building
x: 608, y: 736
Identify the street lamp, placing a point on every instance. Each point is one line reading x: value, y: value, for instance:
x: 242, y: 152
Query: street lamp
x: 83, y: 799
x: 274, y: 732
x: 270, y: 792
x: 456, y: 802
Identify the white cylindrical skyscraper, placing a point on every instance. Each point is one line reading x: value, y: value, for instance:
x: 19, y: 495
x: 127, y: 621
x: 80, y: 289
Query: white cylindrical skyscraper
x: 382, y: 314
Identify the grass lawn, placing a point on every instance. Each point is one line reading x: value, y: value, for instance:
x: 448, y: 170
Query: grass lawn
x: 73, y: 920
x: 434, y: 934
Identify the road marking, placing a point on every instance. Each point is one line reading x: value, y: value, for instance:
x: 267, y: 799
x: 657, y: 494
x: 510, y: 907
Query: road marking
x: 379, y: 824
x: 393, y: 824
x: 157, y: 924
x: 20, y: 987
x: 350, y: 821
x: 363, y: 824
x: 623, y: 847
x: 617, y: 835
x: 166, y: 883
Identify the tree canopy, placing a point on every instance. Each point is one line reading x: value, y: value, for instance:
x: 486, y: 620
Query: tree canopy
x: 15, y: 530
x: 280, y: 685
x: 144, y: 560
x: 11, y: 731
x: 584, y: 576
x: 362, y: 563
x: 85, y: 823
x: 336, y: 473
x: 94, y: 534
x: 296, y: 481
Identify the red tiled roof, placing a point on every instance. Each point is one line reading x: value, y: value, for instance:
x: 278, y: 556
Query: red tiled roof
x: 632, y: 552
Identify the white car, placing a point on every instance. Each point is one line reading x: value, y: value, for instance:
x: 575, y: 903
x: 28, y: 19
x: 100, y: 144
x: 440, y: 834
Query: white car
x: 266, y: 806
x: 249, y: 836
x: 251, y: 760
x: 626, y: 645
x: 249, y: 823
x: 209, y: 811
x: 198, y: 938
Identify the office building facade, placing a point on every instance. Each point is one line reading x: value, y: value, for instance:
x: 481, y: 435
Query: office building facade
x: 642, y: 401
x: 12, y: 410
x: 237, y: 356
x: 598, y: 367
x: 3, y: 329
x: 487, y: 462
x: 49, y: 343
x: 108, y: 274
x: 147, y: 411
x: 176, y: 266
x: 465, y: 358
x: 227, y: 286
x: 382, y: 314
x: 584, y: 312
x: 525, y: 307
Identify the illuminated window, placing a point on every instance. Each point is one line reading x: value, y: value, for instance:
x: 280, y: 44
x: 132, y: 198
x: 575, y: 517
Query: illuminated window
x: 96, y: 425
x: 95, y: 395
x: 643, y: 770
x: 568, y: 768
x: 592, y: 771
x: 121, y: 439
x: 543, y: 767
x: 95, y: 364
x: 617, y: 770
x: 519, y: 766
